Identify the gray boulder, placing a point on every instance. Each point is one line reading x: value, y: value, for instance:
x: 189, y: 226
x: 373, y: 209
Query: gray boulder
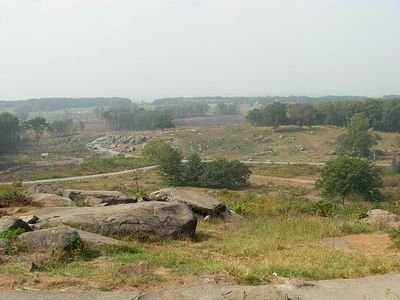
x: 157, y: 220
x: 5, y: 246
x: 199, y: 202
x: 43, y: 188
x: 51, y: 200
x: 382, y: 218
x: 63, y: 238
x: 11, y: 223
x: 107, y: 197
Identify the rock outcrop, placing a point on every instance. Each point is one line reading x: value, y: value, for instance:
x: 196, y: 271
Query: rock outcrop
x: 94, y: 198
x: 42, y: 188
x: 199, y: 202
x: 382, y: 218
x: 154, y: 220
x: 11, y: 223
x: 51, y: 200
x: 63, y: 238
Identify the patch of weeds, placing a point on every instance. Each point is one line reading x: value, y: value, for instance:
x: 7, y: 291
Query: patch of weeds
x: 71, y: 224
x: 395, y: 236
x: 123, y: 248
x: 11, y: 234
x: 356, y: 228
x: 10, y: 198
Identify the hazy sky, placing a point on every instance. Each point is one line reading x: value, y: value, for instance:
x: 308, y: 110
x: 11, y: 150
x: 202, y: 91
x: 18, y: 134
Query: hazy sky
x: 161, y: 48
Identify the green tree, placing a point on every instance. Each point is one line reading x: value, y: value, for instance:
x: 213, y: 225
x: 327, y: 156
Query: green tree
x: 345, y: 176
x: 193, y: 170
x: 224, y: 173
x: 38, y: 126
x: 170, y: 166
x: 301, y: 114
x: 9, y: 132
x: 153, y: 149
x: 358, y: 139
x: 62, y: 127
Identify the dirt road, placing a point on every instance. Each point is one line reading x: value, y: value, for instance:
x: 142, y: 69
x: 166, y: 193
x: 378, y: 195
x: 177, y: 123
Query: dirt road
x: 380, y: 287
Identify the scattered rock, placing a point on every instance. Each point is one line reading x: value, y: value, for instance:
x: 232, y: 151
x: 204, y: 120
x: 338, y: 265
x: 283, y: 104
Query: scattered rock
x: 139, y: 270
x: 51, y: 200
x: 231, y: 216
x: 108, y: 197
x: 62, y: 237
x: 10, y: 223
x: 31, y: 219
x: 92, y: 201
x: 199, y: 202
x: 42, y: 188
x: 157, y: 220
x: 382, y: 218
x: 5, y: 246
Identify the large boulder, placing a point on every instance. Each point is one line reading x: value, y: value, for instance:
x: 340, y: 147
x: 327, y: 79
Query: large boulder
x: 382, y: 218
x: 199, y: 202
x: 51, y: 200
x: 63, y: 238
x: 43, y: 188
x: 11, y: 223
x: 157, y: 220
x: 103, y: 197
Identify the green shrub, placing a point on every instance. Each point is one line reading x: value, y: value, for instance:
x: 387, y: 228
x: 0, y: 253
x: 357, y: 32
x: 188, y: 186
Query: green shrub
x: 11, y: 234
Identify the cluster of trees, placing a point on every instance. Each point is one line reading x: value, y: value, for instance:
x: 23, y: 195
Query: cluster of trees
x: 220, y: 173
x: 226, y: 109
x: 134, y: 118
x: 9, y: 132
x: 66, y: 127
x: 185, y: 110
x: 383, y: 115
x: 53, y: 104
x: 352, y: 172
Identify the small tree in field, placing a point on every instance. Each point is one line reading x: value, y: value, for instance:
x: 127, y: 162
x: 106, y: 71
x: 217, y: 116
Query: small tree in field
x: 38, y: 126
x: 345, y: 176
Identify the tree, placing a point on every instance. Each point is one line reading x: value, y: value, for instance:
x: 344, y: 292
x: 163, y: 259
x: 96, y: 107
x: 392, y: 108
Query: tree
x: 154, y: 148
x: 62, y: 127
x: 301, y: 114
x: 224, y: 173
x: 358, y: 139
x: 38, y: 126
x: 9, y: 132
x: 345, y: 176
x: 193, y: 170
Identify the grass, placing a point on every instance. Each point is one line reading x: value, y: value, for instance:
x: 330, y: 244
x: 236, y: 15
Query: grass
x: 262, y: 143
x: 89, y: 167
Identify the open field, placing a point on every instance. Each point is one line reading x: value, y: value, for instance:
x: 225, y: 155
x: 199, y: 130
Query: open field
x: 290, y: 143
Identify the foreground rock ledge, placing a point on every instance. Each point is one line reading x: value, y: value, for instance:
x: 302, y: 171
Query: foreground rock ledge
x: 200, y: 202
x: 159, y: 220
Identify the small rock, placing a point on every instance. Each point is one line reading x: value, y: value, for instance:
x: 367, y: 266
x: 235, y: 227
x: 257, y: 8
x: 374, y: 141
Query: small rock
x: 139, y: 270
x: 31, y: 219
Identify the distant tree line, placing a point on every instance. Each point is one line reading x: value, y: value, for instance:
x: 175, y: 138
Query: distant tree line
x: 259, y: 99
x: 134, y: 118
x: 383, y: 115
x: 53, y: 104
x: 185, y: 110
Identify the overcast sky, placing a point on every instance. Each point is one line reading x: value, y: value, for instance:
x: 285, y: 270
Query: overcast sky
x: 161, y: 48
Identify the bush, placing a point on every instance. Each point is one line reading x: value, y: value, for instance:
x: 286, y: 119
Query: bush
x: 9, y: 198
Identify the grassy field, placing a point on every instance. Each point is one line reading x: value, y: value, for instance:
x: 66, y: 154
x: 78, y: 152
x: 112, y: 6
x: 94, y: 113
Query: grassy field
x: 290, y: 143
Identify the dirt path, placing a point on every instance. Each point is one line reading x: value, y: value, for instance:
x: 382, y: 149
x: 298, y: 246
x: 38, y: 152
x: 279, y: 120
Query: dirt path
x: 373, y: 288
x: 262, y: 179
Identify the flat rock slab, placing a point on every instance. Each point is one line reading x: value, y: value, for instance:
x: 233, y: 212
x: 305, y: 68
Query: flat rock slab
x: 62, y: 237
x: 158, y: 220
x: 51, y: 200
x: 97, y: 239
x: 108, y: 197
x: 199, y: 202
